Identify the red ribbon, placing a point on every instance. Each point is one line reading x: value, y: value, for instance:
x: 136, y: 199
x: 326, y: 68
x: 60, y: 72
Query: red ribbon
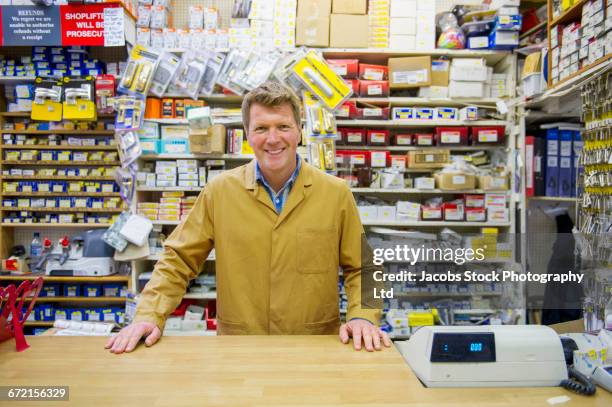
x: 12, y: 301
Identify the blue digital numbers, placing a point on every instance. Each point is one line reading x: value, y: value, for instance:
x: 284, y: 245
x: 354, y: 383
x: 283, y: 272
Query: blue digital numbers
x: 476, y: 347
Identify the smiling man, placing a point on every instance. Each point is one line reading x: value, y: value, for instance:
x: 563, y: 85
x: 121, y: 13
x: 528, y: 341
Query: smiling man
x: 281, y: 230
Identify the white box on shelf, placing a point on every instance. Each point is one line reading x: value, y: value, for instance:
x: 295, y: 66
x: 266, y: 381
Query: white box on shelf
x: 386, y: 213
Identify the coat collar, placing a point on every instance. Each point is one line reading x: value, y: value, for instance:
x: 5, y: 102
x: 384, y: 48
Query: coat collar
x: 298, y: 192
x: 304, y: 177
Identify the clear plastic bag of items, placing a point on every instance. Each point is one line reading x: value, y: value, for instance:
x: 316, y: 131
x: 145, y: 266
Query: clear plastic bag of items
x: 214, y: 64
x: 129, y: 110
x: 139, y: 71
x: 190, y: 73
x: 258, y: 70
x: 235, y: 62
x: 129, y: 147
x: 112, y: 236
x: 166, y: 69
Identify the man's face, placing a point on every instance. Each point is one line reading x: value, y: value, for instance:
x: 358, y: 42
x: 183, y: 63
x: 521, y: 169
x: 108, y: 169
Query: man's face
x: 273, y: 134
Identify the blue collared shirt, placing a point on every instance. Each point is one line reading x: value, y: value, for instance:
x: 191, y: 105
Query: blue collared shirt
x: 278, y: 198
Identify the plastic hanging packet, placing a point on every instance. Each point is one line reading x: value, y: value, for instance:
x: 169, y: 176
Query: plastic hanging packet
x: 190, y: 73
x: 167, y: 67
x: 214, y: 64
x: 235, y: 62
x: 112, y: 236
x: 257, y: 70
x: 129, y: 147
x: 126, y: 179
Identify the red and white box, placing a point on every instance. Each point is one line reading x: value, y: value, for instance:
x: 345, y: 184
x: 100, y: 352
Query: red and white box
x: 424, y: 139
x: 495, y: 201
x: 488, y: 134
x: 402, y: 140
x: 353, y: 136
x: 379, y: 159
x: 498, y: 214
x: 398, y: 162
x: 474, y: 200
x: 431, y: 212
x: 452, y: 135
x: 378, y: 137
x: 370, y: 72
x: 347, y: 68
x: 453, y: 211
x: 354, y: 84
x: 475, y: 214
x: 373, y: 88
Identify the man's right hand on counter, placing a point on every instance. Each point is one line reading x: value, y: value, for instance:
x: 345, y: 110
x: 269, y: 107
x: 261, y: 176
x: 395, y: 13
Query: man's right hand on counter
x: 127, y: 339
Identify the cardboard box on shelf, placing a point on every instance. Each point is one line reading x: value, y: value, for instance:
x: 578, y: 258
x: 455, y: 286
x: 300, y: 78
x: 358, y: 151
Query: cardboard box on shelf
x: 348, y: 31
x: 349, y: 7
x: 493, y: 182
x: 314, y: 8
x: 313, y: 32
x: 439, y: 72
x: 402, y: 26
x: 409, y: 72
x: 455, y: 180
x: 428, y: 158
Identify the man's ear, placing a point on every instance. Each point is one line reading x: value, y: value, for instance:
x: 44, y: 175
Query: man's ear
x: 248, y: 137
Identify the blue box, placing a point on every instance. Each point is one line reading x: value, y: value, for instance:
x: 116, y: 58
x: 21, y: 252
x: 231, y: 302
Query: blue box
x: 62, y: 313
x: 447, y: 113
x: 45, y: 312
x: 107, y: 314
x: 424, y: 113
x: 51, y: 290
x: 77, y: 314
x: 565, y: 162
x: 92, y: 290
x: 552, y: 162
x: 508, y: 23
x: 577, y: 147
x: 72, y: 290
x: 401, y: 113
x: 93, y: 314
x: 503, y: 40
x: 112, y: 290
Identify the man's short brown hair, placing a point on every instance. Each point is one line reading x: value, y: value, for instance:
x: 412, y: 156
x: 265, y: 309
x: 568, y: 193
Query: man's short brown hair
x: 270, y: 94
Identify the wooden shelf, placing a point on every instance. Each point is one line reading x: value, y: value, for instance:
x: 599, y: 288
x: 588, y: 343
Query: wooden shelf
x: 60, y: 194
x: 553, y: 198
x: 39, y: 323
x: 68, y: 210
x: 16, y: 80
x: 570, y: 14
x: 56, y: 178
x: 29, y: 114
x: 54, y: 279
x: 70, y: 132
x: 61, y: 147
x: 80, y: 299
x: 419, y: 123
x: 423, y: 223
x: 154, y: 157
x: 581, y: 71
x: 70, y: 163
x: 421, y: 191
x: 417, y: 148
x: 55, y: 225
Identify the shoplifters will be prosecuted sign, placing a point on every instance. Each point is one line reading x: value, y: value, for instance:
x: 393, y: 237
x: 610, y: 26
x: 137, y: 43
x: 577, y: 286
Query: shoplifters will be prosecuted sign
x: 58, y: 26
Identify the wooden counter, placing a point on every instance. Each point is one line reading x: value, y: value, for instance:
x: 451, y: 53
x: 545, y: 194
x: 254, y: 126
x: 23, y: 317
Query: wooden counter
x: 244, y: 371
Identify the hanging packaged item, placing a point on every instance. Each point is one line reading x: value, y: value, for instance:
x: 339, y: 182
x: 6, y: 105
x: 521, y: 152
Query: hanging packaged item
x: 257, y: 70
x: 213, y: 68
x: 167, y: 67
x: 47, y: 104
x: 235, y: 62
x: 129, y: 110
x: 190, y: 73
x: 320, y: 121
x: 139, y: 71
x: 320, y: 79
x: 129, y: 147
x: 322, y: 153
x: 79, y: 99
x: 126, y: 179
x: 105, y: 89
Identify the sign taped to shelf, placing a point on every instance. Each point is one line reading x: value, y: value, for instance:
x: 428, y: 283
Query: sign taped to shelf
x: 62, y: 25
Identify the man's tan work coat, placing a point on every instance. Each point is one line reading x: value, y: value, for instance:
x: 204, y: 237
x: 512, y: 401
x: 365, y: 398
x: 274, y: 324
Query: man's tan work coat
x: 276, y: 273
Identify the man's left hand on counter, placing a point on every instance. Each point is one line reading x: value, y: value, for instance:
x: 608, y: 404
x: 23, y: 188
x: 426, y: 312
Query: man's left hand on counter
x: 363, y: 331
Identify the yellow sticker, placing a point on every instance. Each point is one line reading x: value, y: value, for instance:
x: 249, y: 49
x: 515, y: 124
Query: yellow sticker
x: 592, y: 354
